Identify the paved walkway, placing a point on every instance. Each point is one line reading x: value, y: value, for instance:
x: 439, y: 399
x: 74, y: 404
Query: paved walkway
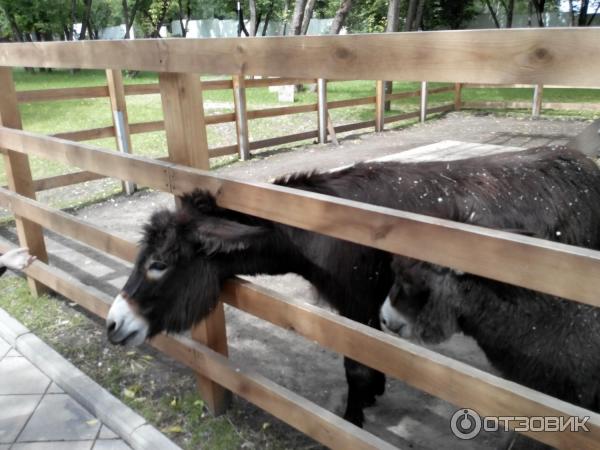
x: 37, y: 414
x: 46, y: 403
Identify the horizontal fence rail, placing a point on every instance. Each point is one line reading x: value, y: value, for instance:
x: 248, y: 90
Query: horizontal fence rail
x: 536, y: 56
x: 550, y: 267
x: 448, y: 379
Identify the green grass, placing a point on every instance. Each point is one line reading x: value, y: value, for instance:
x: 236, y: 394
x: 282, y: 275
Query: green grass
x: 71, y: 115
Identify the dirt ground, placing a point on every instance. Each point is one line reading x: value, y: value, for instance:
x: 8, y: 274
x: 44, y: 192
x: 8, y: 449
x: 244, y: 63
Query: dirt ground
x: 404, y: 416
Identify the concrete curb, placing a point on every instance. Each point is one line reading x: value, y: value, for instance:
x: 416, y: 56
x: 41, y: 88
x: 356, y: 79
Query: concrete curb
x: 129, y: 425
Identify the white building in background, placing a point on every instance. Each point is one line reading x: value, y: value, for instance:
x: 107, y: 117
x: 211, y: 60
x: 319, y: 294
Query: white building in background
x: 206, y: 28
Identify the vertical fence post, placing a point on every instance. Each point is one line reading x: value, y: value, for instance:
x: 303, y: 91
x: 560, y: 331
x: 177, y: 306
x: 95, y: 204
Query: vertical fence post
x: 118, y: 105
x: 322, y: 109
x: 379, y: 105
x: 18, y: 175
x: 458, y: 96
x: 423, y: 101
x: 536, y: 108
x: 241, y: 117
x: 181, y: 96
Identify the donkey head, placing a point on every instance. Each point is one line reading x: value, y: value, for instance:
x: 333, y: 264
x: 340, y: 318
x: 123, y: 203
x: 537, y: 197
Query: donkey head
x: 420, y: 304
x: 184, y: 258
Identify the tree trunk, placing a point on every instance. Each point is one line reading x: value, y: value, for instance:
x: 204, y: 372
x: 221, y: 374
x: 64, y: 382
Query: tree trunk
x: 268, y: 18
x: 392, y: 25
x: 308, y: 12
x: 298, y: 16
x: 510, y: 12
x: 181, y: 25
x: 253, y: 23
x: 286, y: 8
x: 419, y: 15
x: 86, y: 19
x: 410, y: 15
x: 538, y: 6
x: 129, y: 17
x: 593, y: 16
x: 340, y: 16
x: 492, y: 13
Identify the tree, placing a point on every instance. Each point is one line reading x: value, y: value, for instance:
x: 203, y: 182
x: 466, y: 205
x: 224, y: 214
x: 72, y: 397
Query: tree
x: 580, y: 13
x: 340, y: 16
x: 308, y: 12
x: 298, y: 16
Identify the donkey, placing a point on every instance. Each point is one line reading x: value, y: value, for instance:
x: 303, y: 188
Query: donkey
x: 186, y: 255
x: 544, y: 342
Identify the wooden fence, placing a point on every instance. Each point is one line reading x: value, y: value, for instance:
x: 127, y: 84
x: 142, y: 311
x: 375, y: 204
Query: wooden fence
x: 506, y: 56
x: 122, y: 129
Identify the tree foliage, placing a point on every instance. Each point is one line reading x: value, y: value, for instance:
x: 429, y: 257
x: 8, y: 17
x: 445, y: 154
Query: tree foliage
x: 24, y: 20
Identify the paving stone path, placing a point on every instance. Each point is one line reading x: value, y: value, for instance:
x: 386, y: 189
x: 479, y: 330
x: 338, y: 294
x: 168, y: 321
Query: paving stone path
x: 46, y: 403
x: 36, y: 414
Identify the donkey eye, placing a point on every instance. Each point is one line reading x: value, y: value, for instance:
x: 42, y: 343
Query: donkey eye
x: 157, y: 266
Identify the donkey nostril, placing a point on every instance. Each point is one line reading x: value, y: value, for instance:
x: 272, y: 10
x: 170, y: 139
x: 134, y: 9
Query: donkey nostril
x: 110, y: 326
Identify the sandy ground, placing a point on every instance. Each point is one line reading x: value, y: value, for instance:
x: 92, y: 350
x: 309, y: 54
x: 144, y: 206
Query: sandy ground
x: 405, y: 417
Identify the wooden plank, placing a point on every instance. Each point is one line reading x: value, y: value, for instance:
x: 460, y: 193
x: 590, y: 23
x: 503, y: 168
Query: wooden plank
x: 281, y: 111
x: 223, y: 151
x: 68, y: 225
x: 266, y: 82
x: 67, y: 179
x: 271, y: 142
x: 154, y: 88
x: 403, y: 116
x: 399, y: 95
x: 422, y: 368
x: 351, y: 102
x: 553, y: 268
x: 105, y: 162
x: 142, y: 89
x: 216, y: 85
x: 379, y: 105
x: 120, y: 119
x: 18, y: 175
x: 45, y: 95
x: 181, y: 96
x: 440, y: 90
x: 354, y: 126
x: 241, y: 116
x: 503, y: 56
x: 146, y: 127
x: 87, y: 135
x: 213, y: 119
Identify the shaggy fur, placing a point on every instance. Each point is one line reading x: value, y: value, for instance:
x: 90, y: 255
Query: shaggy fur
x: 204, y: 245
x: 543, y: 342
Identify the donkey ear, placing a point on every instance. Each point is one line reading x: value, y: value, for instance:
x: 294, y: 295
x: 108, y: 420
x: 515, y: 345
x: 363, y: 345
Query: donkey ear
x: 198, y: 201
x: 216, y: 235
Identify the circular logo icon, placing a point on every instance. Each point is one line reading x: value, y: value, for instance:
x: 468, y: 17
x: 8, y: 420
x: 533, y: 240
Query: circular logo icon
x: 465, y: 424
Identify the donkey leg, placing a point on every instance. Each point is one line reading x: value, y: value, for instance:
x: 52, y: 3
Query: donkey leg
x: 364, y: 384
